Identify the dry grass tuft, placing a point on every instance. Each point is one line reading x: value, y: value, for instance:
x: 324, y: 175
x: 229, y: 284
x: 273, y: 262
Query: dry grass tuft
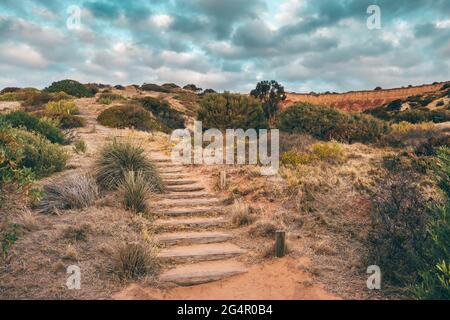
x: 240, y: 214
x: 80, y: 233
x: 134, y: 260
x: 263, y: 228
x: 135, y: 191
x: 74, y: 192
x: 117, y: 158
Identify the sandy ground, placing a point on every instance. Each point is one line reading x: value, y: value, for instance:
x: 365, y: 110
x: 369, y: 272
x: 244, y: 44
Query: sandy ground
x: 280, y: 279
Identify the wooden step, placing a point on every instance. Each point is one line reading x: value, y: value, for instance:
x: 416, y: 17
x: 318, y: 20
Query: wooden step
x: 198, y: 273
x: 171, y: 171
x: 173, y: 176
x: 201, y: 252
x: 191, y: 222
x: 188, y: 211
x: 179, y: 182
x: 188, y: 195
x: 193, y: 238
x: 184, y: 188
x: 161, y: 160
x: 188, y: 202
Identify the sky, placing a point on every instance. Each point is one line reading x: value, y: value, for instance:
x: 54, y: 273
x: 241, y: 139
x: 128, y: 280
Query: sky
x: 306, y: 45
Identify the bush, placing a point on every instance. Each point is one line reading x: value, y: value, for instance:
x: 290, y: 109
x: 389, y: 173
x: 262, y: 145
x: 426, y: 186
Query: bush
x: 170, y: 86
x: 62, y: 107
x: 422, y: 115
x: 398, y: 232
x: 22, y: 151
x: 162, y: 110
x: 134, y: 260
x: 192, y: 87
x: 135, y: 191
x: 71, y: 87
x: 68, y: 121
x: 129, y: 116
x: 154, y: 87
x: 9, y: 90
x: 331, y: 152
x: 231, y: 111
x: 108, y: 98
x: 74, y: 192
x: 434, y: 270
x: 34, y: 99
x: 9, y: 96
x: 118, y: 158
x: 327, y: 123
x: 21, y: 119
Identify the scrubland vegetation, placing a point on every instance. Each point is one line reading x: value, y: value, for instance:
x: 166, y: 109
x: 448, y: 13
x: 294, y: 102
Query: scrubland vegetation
x: 354, y: 189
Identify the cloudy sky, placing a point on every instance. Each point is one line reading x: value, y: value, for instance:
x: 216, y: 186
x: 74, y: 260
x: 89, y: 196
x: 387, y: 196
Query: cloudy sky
x: 306, y: 45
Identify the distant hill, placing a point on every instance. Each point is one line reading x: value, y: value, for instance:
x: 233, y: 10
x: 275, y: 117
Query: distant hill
x: 362, y: 100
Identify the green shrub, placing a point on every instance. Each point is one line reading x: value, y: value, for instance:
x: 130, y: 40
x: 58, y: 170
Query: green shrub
x: 434, y: 270
x: 154, y: 87
x: 71, y: 87
x: 22, y: 151
x: 62, y: 107
x: 422, y: 115
x: 170, y: 86
x: 9, y: 90
x: 9, y: 96
x: 68, y: 121
x: 129, y: 116
x: 231, y: 111
x: 41, y: 155
x: 108, y: 98
x: 118, y: 158
x: 405, y: 134
x: 21, y: 119
x: 34, y: 99
x: 331, y: 152
x: 400, y: 212
x: 162, y: 110
x: 327, y: 123
x: 135, y: 191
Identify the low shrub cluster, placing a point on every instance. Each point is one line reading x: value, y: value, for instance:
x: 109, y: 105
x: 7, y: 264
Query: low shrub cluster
x: 34, y: 99
x: 20, y: 119
x: 421, y: 137
x: 71, y: 87
x: 129, y: 116
x: 331, y: 152
x: 170, y: 117
x: 409, y: 238
x: 26, y: 155
x: 154, y: 87
x: 108, y: 98
x: 62, y: 107
x: 231, y: 111
x: 327, y: 123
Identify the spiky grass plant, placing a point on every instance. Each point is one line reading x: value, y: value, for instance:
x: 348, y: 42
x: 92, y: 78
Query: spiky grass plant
x: 135, y: 191
x: 74, y: 192
x: 134, y: 260
x: 117, y: 158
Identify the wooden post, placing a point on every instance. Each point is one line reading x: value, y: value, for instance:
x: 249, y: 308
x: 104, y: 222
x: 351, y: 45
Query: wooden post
x: 223, y: 180
x: 280, y: 244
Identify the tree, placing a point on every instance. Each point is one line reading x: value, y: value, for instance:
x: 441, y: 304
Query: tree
x: 270, y: 93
